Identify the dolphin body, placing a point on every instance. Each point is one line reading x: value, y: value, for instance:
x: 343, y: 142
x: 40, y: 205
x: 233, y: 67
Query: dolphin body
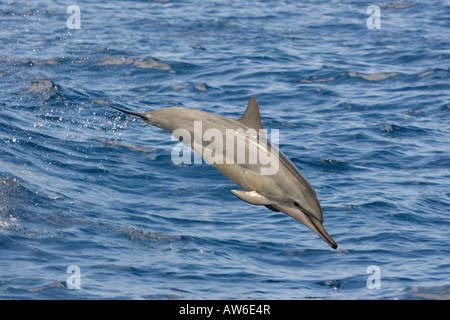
x: 286, y: 190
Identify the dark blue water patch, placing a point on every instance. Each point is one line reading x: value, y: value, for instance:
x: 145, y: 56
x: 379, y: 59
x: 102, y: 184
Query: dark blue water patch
x: 14, y: 192
x: 431, y: 209
x: 428, y: 293
x: 326, y: 165
x: 29, y: 212
x: 55, y: 290
x: 381, y: 158
x: 361, y: 112
x: 397, y: 131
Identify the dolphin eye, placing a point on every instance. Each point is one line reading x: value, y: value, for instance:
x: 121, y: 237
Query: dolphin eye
x: 296, y: 204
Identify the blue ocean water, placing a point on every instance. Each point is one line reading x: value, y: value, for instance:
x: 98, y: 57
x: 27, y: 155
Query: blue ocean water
x: 364, y: 114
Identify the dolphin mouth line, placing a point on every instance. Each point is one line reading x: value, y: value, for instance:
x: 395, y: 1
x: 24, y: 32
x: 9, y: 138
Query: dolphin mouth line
x: 310, y: 221
x: 320, y: 230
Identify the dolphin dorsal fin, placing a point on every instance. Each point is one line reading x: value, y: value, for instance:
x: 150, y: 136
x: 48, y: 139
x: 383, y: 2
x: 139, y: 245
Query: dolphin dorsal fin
x: 251, y: 117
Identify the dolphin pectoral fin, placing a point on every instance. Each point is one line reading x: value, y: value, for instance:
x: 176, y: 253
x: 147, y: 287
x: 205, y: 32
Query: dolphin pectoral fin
x: 251, y: 197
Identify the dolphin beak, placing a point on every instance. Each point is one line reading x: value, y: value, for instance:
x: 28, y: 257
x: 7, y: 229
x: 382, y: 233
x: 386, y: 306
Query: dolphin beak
x: 310, y: 221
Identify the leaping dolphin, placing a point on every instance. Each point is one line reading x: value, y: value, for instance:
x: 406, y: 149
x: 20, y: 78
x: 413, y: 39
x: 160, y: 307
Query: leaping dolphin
x: 283, y: 189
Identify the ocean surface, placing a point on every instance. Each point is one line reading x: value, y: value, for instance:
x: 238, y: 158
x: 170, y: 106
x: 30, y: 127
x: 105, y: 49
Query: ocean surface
x: 93, y: 207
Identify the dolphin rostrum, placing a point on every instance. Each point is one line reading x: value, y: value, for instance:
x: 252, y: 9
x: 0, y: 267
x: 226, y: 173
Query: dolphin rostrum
x: 280, y: 188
